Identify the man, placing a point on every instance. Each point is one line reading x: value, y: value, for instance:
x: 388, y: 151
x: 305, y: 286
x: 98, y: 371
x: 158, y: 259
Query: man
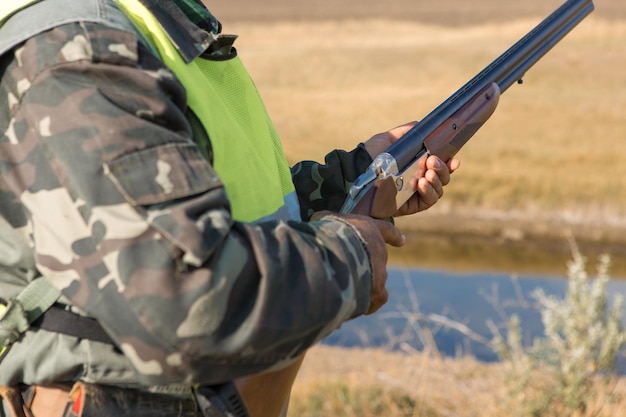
x: 156, y: 246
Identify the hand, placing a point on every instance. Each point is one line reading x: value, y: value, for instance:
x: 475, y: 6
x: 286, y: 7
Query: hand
x: 429, y: 186
x: 430, y: 178
x: 381, y: 141
x: 376, y: 234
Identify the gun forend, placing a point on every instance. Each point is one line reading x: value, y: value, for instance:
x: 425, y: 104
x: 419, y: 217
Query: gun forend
x: 388, y: 188
x: 449, y: 138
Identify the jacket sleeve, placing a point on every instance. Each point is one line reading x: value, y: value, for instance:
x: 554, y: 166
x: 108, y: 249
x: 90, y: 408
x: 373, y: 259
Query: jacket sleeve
x: 133, y: 224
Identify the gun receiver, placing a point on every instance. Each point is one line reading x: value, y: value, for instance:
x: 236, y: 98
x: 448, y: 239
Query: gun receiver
x: 384, y: 187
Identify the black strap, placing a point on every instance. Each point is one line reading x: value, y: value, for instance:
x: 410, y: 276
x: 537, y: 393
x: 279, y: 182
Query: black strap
x: 57, y: 319
x: 220, y: 401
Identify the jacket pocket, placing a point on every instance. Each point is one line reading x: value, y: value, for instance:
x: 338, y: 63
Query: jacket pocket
x: 162, y: 173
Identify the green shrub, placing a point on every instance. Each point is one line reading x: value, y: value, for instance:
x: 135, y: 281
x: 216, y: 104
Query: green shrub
x: 563, y: 370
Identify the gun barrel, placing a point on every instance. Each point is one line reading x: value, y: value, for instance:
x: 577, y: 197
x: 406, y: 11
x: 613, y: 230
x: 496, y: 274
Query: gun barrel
x: 505, y: 70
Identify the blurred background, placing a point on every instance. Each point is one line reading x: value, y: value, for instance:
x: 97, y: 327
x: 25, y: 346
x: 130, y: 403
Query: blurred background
x: 544, y: 178
x: 548, y: 166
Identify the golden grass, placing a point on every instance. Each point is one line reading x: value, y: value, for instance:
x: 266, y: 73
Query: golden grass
x: 344, y: 382
x: 555, y: 143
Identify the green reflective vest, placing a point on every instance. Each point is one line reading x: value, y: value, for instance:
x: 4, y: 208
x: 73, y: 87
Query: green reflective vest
x: 243, y: 139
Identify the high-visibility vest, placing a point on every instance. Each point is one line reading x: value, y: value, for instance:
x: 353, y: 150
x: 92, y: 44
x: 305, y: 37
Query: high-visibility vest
x: 248, y: 154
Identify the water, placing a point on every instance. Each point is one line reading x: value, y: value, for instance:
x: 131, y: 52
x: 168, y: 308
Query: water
x: 455, y: 309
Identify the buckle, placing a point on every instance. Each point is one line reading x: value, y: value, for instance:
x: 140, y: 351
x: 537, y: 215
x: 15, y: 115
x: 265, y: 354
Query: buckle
x: 13, y: 322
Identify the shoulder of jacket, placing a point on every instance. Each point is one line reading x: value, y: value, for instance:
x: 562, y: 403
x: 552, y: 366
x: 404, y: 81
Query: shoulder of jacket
x: 47, y: 14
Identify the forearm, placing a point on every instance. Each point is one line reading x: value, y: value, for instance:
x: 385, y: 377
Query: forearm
x: 269, y: 292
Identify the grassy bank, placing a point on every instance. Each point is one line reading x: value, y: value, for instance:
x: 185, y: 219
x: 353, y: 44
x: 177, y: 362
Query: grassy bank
x: 573, y: 369
x: 374, y: 383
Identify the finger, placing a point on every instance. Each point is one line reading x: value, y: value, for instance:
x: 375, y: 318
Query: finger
x: 427, y: 193
x: 390, y: 233
x: 399, y: 131
x: 436, y: 164
x: 453, y: 164
x: 434, y: 180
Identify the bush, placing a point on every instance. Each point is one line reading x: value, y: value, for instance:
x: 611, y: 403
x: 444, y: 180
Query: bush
x: 576, y: 359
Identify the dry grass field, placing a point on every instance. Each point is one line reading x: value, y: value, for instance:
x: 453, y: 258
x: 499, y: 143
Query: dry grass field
x: 550, y: 163
x: 441, y: 12
x: 342, y: 382
x: 550, y: 160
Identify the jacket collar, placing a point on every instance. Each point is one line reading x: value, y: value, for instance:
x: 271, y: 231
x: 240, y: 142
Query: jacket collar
x: 191, y: 37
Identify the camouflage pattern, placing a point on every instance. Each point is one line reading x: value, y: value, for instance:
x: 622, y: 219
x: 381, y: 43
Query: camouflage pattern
x: 92, y: 126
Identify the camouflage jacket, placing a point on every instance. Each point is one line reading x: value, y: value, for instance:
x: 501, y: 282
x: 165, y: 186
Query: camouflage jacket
x: 82, y: 95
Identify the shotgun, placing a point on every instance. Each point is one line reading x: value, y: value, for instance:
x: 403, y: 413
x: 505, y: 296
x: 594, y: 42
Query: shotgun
x: 384, y: 187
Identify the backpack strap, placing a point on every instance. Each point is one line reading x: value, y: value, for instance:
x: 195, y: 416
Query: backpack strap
x: 36, y: 307
x: 59, y: 320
